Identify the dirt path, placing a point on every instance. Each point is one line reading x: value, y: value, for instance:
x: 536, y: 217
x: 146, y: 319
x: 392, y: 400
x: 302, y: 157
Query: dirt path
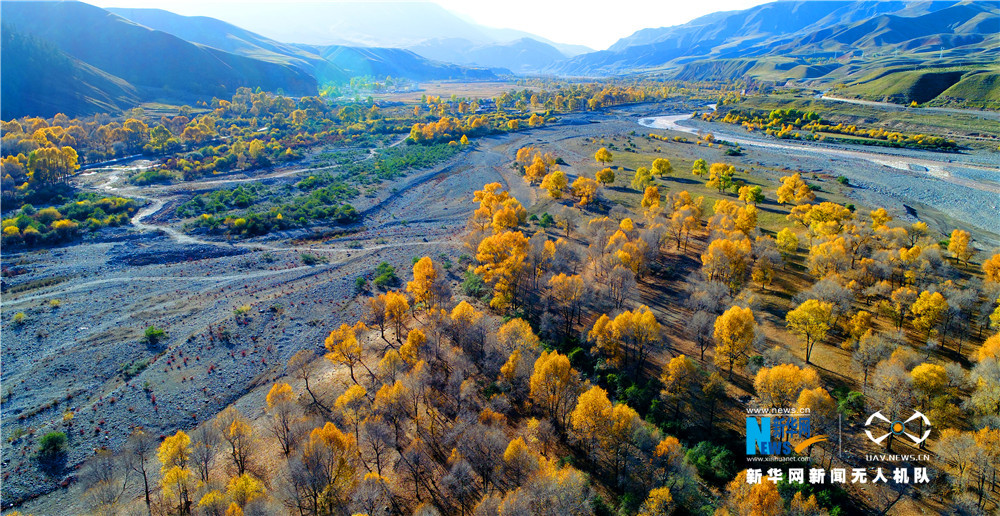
x: 992, y: 115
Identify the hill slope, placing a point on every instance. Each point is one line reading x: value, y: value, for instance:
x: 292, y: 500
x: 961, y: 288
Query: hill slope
x: 40, y: 80
x: 334, y: 63
x: 810, y: 29
x: 157, y: 64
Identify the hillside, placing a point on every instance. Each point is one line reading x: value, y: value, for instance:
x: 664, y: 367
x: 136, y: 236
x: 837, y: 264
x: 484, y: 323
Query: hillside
x: 57, y: 83
x: 221, y: 35
x: 827, y: 42
x: 395, y: 62
x: 157, y: 64
x: 332, y: 63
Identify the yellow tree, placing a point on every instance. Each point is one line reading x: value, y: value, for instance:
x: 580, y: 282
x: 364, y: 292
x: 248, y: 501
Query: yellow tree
x: 734, y: 337
x: 643, y: 178
x: 591, y: 418
x: 787, y: 242
x: 810, y: 321
x: 553, y: 385
x: 677, y: 377
x: 396, y: 307
x: 606, y: 176
x: 746, y: 499
x: 662, y: 167
x: 536, y: 170
x: 857, y: 326
x: 700, y: 168
x: 555, y: 182
x: 173, y: 454
x: 958, y: 246
x: 991, y: 269
x: 659, y: 503
x: 636, y: 329
x: 501, y: 259
x: 585, y: 189
x: 720, y: 176
x: 244, y: 488
x: 603, y: 156
x: 780, y: 386
x: 422, y: 286
x: 726, y: 260
x: 331, y: 455
x: 990, y: 349
x: 344, y: 348
x: 751, y: 194
x: 794, y: 190
x: 651, y: 197
x: 928, y: 311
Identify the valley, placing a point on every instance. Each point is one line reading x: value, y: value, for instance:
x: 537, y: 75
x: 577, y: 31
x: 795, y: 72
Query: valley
x: 388, y: 259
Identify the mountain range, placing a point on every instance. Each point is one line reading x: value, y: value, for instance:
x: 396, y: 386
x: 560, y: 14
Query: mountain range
x: 76, y: 58
x: 795, y: 40
x: 107, y: 62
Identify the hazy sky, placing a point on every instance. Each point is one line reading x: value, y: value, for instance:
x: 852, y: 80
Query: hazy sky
x: 596, y: 24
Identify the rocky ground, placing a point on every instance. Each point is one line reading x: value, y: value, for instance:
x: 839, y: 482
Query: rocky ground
x: 81, y: 351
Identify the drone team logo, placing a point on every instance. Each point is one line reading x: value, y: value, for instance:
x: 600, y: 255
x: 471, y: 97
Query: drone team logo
x: 896, y: 427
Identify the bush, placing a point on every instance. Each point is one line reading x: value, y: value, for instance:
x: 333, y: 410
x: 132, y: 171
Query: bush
x: 843, y: 180
x: 714, y: 463
x: 312, y: 259
x: 359, y: 284
x: 852, y: 403
x: 154, y: 335
x: 20, y: 319
x: 385, y: 275
x: 51, y: 448
x: 546, y: 220
x: 473, y: 284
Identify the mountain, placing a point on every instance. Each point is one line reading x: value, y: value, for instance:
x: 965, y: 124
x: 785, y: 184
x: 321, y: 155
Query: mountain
x: 327, y: 63
x: 79, y: 59
x: 424, y: 27
x: 39, y: 80
x: 395, y: 62
x: 523, y: 55
x: 156, y: 63
x: 779, y: 28
x: 219, y: 34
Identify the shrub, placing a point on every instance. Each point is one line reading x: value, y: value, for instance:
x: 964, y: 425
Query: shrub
x: 51, y: 447
x: 20, y: 319
x: 714, y: 463
x: 154, y: 335
x: 312, y: 259
x: 473, y: 284
x: 385, y: 275
x: 359, y: 284
x: 843, y: 180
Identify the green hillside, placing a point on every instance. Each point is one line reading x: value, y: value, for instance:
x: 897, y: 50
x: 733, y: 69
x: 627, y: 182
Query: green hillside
x: 56, y: 83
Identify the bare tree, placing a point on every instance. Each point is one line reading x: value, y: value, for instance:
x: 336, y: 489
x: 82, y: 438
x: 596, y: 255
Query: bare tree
x: 105, y: 477
x: 302, y: 366
x: 140, y: 449
x: 205, y: 443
